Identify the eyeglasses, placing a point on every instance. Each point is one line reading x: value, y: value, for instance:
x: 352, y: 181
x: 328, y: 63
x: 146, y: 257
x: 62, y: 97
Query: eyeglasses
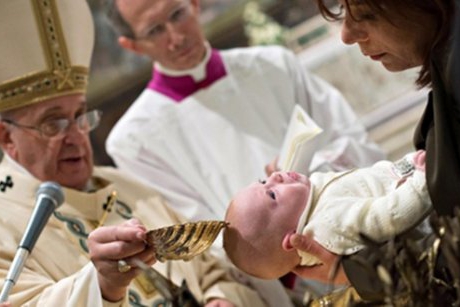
x: 57, y: 128
x: 177, y: 16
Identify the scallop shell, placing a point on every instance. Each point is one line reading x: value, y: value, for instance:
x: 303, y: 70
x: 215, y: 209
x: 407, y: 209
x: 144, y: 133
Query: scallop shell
x: 184, y: 241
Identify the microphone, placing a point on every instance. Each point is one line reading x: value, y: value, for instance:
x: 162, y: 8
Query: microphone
x: 49, y: 196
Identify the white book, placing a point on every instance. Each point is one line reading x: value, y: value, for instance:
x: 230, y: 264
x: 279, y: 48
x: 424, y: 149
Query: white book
x: 299, y: 142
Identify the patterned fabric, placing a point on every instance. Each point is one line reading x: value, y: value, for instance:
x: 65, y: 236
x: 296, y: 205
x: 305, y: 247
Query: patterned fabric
x: 58, y: 269
x: 372, y: 201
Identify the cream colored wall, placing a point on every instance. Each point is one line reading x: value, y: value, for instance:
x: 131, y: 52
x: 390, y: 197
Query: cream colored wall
x: 389, y: 104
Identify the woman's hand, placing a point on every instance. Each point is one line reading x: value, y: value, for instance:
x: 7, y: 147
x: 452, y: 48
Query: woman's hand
x: 329, y: 271
x: 109, y: 244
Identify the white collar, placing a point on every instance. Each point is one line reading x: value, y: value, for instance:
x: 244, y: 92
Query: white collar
x: 21, y: 169
x: 198, y: 73
x: 15, y: 165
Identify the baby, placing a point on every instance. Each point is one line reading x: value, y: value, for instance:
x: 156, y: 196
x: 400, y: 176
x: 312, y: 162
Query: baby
x: 380, y: 201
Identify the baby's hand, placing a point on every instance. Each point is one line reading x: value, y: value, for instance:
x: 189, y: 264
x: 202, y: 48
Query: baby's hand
x: 419, y: 160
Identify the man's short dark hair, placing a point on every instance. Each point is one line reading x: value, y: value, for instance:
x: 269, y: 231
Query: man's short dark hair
x: 116, y: 20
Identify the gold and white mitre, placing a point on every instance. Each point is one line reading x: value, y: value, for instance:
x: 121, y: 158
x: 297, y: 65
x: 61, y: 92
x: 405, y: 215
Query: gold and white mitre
x: 46, y: 50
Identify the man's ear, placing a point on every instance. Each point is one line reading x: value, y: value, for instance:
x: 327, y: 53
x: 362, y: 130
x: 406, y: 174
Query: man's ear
x: 128, y: 44
x: 6, y: 142
x: 287, y: 242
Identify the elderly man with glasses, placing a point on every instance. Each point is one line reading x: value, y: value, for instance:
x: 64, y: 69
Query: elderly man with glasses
x: 87, y: 252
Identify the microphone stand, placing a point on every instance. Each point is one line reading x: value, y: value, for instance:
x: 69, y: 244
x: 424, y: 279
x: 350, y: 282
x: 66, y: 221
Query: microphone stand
x: 13, y: 274
x: 49, y: 197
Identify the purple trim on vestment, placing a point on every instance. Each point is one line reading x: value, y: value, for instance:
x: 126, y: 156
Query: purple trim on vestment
x: 180, y: 87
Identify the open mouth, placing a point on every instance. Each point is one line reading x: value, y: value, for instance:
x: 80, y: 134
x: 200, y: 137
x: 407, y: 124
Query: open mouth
x: 72, y: 160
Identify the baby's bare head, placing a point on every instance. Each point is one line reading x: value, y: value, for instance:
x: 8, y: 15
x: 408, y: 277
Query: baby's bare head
x: 254, y: 251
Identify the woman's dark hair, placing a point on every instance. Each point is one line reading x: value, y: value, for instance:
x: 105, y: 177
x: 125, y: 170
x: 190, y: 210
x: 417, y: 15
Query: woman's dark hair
x: 440, y: 10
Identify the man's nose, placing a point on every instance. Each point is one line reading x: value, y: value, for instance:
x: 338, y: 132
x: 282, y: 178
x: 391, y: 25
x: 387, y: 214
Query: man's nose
x: 74, y: 135
x: 176, y: 37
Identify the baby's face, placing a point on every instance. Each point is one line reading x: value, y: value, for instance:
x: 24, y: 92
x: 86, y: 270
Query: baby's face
x: 275, y: 203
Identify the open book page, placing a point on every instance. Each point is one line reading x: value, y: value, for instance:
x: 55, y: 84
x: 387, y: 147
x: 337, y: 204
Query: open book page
x: 299, y: 142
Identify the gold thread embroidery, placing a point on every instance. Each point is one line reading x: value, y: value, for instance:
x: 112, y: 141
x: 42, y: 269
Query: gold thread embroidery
x: 52, y: 36
x: 64, y: 78
x: 41, y: 30
x: 111, y: 200
x: 42, y: 85
x: 60, y: 77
